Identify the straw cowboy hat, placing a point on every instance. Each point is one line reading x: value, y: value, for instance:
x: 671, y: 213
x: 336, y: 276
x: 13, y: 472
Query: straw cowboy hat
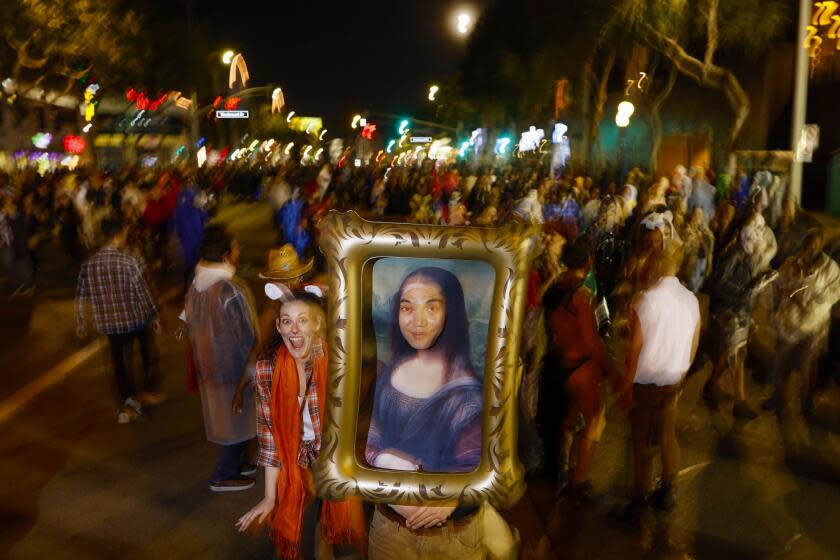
x: 284, y: 264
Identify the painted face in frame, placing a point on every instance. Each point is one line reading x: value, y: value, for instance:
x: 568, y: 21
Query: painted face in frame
x: 298, y: 326
x: 422, y: 313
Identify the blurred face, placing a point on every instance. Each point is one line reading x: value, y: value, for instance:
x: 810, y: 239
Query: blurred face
x: 422, y: 313
x: 554, y: 245
x: 298, y: 326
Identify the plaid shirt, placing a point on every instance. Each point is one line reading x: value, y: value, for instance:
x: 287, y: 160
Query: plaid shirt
x: 113, y: 283
x: 268, y: 455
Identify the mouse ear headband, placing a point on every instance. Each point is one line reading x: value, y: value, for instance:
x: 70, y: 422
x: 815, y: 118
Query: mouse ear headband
x: 278, y: 291
x: 317, y: 290
x: 658, y: 220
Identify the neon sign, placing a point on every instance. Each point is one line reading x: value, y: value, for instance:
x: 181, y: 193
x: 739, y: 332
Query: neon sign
x: 824, y: 27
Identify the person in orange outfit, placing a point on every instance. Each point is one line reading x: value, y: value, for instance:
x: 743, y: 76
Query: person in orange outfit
x: 292, y: 389
x: 578, y: 359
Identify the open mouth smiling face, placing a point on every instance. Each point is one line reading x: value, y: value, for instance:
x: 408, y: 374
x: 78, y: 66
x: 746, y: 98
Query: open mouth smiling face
x: 298, y: 327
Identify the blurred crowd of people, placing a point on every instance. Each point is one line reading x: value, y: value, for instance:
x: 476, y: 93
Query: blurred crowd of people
x: 737, y: 241
x: 69, y: 207
x: 619, y: 269
x: 632, y: 281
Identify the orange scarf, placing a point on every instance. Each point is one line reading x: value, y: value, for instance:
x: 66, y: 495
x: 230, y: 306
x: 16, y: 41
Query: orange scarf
x: 341, y: 522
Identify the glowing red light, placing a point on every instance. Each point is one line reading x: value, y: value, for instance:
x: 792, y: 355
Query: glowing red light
x: 131, y: 94
x: 142, y: 102
x: 74, y: 144
x: 155, y: 105
x: 232, y: 103
x: 217, y: 101
x: 341, y: 160
x: 368, y: 131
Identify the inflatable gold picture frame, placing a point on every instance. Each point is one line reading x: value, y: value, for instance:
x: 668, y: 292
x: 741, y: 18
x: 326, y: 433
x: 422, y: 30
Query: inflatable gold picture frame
x: 350, y: 243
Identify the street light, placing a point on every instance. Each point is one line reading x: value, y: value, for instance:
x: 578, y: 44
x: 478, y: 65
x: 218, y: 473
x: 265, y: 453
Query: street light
x: 432, y: 92
x: 625, y: 111
x: 227, y: 56
x: 355, y: 123
x: 463, y: 23
x: 622, y: 120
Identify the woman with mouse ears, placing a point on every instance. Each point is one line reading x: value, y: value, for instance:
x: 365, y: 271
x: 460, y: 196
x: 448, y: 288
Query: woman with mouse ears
x: 291, y: 387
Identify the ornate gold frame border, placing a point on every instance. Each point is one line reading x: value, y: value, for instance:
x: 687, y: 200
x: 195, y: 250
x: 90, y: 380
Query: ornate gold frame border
x: 349, y: 242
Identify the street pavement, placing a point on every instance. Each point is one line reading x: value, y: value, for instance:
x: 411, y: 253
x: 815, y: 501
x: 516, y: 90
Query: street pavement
x: 78, y: 485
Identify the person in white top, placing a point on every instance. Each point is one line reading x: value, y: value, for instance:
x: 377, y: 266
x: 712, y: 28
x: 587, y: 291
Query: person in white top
x: 663, y: 340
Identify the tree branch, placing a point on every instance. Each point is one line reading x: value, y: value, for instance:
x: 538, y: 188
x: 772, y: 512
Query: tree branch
x: 587, y: 78
x: 24, y: 59
x: 711, y: 34
x: 600, y: 102
x: 67, y: 72
x: 656, y: 122
x: 712, y: 76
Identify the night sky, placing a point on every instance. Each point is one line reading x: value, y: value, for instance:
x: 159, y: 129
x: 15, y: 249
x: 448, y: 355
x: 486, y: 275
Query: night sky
x: 334, y: 59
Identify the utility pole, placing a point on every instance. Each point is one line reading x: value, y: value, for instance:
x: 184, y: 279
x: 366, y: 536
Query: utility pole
x: 800, y: 101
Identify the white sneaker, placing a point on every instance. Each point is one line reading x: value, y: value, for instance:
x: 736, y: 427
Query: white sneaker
x: 135, y: 406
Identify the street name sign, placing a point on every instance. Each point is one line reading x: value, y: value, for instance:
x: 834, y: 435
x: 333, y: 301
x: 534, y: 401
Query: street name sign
x: 420, y: 139
x: 231, y: 114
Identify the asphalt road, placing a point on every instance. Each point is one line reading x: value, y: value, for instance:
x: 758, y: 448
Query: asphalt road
x: 78, y: 485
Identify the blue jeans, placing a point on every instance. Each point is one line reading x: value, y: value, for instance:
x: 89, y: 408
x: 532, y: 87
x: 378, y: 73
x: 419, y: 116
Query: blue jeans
x: 230, y: 461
